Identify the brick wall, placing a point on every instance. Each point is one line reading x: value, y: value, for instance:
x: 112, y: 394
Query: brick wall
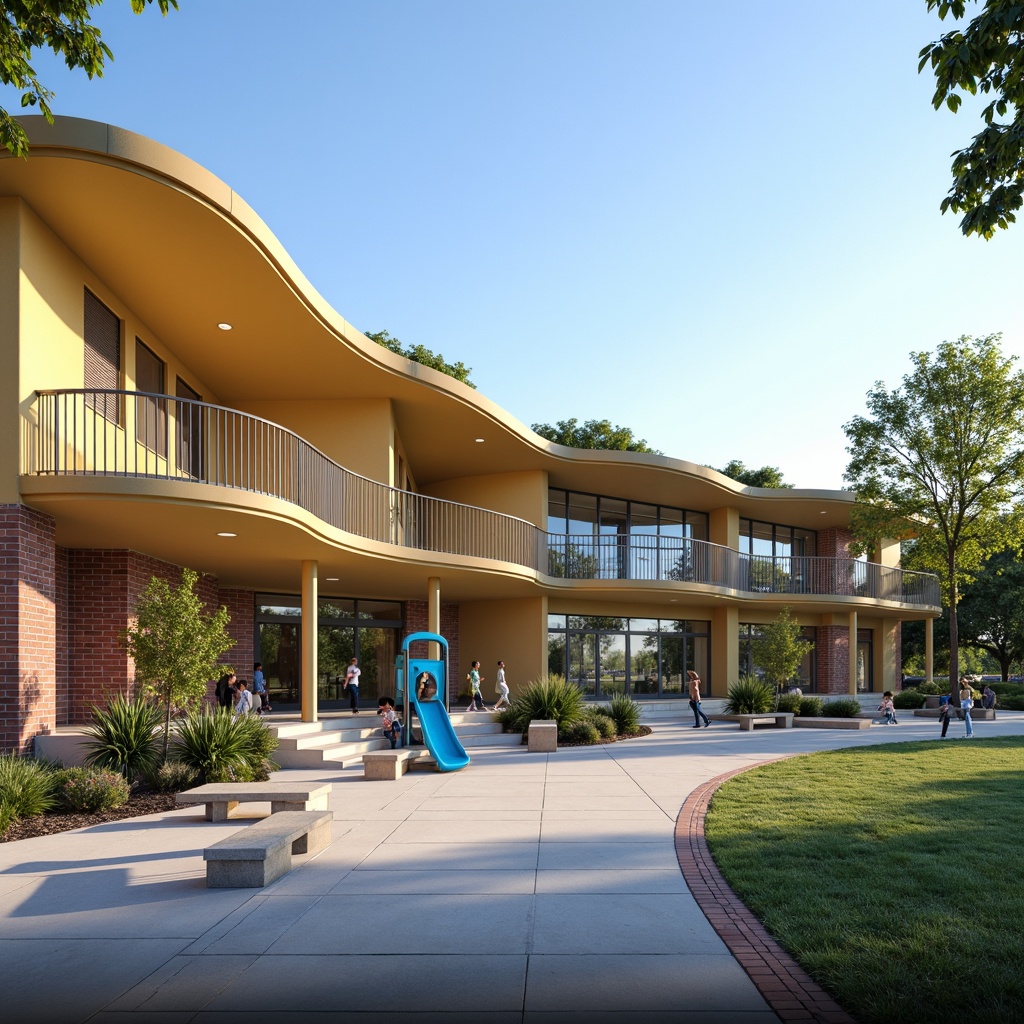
x: 416, y: 622
x: 61, y: 583
x: 27, y: 626
x: 832, y: 649
x: 834, y: 543
x: 241, y: 607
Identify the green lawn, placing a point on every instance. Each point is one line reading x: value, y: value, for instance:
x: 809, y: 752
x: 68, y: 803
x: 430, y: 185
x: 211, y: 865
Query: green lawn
x: 893, y: 874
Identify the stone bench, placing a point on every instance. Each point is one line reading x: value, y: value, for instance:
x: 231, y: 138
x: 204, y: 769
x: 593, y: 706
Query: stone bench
x: 776, y: 719
x: 832, y: 723
x: 391, y: 765
x: 221, y: 798
x: 977, y: 714
x: 542, y: 737
x: 257, y: 855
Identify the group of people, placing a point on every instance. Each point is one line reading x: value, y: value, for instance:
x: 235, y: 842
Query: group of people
x: 476, y: 700
x: 234, y: 693
x: 966, y: 703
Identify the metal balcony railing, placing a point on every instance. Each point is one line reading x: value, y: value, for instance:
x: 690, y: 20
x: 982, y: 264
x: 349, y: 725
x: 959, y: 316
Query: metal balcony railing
x: 133, y: 434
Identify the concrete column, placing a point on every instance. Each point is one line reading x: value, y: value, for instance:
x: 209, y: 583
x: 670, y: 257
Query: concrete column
x: 929, y: 650
x: 434, y: 614
x: 725, y: 651
x: 309, y: 639
x: 853, y: 652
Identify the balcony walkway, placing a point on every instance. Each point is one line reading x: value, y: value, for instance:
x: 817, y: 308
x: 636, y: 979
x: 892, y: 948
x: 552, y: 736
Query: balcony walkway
x: 525, y: 888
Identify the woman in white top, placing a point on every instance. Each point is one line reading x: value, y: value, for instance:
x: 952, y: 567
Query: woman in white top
x: 502, y: 688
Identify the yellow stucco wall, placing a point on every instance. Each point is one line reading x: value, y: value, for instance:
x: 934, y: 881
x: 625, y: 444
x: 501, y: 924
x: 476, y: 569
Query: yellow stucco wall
x: 357, y: 433
x: 10, y: 243
x: 514, y: 631
x: 523, y: 495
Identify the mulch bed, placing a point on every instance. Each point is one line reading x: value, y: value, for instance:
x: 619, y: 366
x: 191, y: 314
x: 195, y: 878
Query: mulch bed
x: 51, y: 824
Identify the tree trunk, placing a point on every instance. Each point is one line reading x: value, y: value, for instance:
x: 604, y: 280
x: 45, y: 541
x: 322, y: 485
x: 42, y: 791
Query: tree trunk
x: 167, y: 724
x: 954, y: 634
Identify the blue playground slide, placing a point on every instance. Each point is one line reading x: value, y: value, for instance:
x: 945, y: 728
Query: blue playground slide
x: 439, y: 735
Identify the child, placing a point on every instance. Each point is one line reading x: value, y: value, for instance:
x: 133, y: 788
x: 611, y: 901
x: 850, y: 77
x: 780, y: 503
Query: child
x: 390, y: 724
x: 888, y: 708
x: 476, y: 702
x: 243, y: 700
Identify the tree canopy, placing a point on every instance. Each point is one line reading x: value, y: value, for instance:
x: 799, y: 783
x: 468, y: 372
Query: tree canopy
x: 766, y: 476
x: 593, y: 434
x: 777, y: 648
x: 423, y: 355
x: 986, y: 57
x: 991, y: 613
x: 941, y: 460
x: 64, y: 26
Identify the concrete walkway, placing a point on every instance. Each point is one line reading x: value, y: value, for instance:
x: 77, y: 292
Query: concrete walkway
x: 525, y: 888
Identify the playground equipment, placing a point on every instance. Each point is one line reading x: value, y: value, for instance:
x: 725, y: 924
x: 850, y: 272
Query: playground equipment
x: 421, y: 685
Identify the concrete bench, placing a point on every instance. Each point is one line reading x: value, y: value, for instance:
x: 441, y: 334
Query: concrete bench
x: 391, y: 765
x: 776, y: 719
x: 257, y: 855
x: 221, y: 798
x: 977, y: 714
x: 832, y: 723
x: 542, y: 737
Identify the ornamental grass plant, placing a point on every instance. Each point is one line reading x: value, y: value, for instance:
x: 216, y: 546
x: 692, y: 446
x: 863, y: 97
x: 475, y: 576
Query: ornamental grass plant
x: 886, y: 871
x: 123, y: 737
x: 223, y: 747
x: 625, y: 713
x: 750, y: 696
x: 551, y: 698
x: 26, y: 788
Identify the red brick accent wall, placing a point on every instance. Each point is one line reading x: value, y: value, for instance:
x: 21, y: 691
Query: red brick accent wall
x: 62, y: 626
x: 834, y: 543
x: 103, y: 589
x: 416, y: 622
x: 242, y: 609
x: 832, y: 648
x: 27, y: 626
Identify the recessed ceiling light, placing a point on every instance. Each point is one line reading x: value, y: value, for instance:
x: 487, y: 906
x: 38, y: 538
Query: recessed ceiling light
x: 823, y: 513
x: 227, y: 534
x: 479, y: 440
x: 224, y: 327
x: 332, y: 579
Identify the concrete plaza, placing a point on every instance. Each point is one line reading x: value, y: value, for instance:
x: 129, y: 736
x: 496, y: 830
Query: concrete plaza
x: 525, y: 888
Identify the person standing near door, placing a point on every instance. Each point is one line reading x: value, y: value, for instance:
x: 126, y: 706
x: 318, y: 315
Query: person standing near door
x: 352, y: 684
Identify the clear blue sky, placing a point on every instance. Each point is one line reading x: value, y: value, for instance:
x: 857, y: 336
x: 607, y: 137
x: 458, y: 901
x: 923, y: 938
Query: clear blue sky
x: 715, y: 223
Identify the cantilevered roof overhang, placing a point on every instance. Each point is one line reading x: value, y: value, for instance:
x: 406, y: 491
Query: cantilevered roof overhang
x: 187, y: 253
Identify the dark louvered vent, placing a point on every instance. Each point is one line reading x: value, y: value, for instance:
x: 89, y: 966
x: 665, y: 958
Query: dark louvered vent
x: 102, y: 356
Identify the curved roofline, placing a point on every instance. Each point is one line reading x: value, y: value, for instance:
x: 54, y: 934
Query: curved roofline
x: 153, y: 159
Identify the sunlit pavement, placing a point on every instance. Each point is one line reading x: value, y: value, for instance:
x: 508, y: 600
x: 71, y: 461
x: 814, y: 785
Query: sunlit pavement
x: 527, y: 887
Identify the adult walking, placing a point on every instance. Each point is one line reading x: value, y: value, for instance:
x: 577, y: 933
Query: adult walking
x: 352, y: 685
x: 226, y: 690
x: 501, y: 687
x: 698, y: 712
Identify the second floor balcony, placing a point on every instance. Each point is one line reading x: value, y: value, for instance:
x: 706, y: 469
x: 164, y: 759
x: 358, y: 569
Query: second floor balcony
x: 134, y: 435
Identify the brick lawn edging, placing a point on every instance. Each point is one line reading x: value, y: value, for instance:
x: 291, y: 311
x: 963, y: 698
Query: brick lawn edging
x: 783, y: 983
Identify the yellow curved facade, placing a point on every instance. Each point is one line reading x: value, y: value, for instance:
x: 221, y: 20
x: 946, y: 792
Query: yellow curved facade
x: 315, y: 447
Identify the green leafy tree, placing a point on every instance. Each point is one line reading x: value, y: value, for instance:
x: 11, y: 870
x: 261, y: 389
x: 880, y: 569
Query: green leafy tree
x: 986, y: 57
x: 941, y: 459
x: 423, y: 355
x: 66, y: 28
x: 176, y: 644
x: 778, y: 649
x: 593, y: 434
x: 766, y: 476
x: 991, y: 615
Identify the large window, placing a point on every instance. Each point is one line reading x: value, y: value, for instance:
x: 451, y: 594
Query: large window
x: 806, y: 675
x: 346, y: 628
x: 605, y: 655
x: 102, y: 357
x: 151, y: 412
x: 775, y: 540
x: 595, y: 536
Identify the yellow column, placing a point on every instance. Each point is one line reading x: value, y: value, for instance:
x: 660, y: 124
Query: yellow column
x: 725, y: 651
x: 853, y: 652
x: 434, y: 614
x: 929, y: 650
x: 309, y: 638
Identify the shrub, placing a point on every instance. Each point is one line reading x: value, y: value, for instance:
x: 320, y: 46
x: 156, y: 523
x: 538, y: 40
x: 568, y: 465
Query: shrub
x: 123, y: 737
x: 580, y: 731
x: 790, y: 702
x: 845, y: 707
x: 625, y: 713
x: 910, y: 698
x: 750, y: 696
x: 507, y: 718
x: 26, y: 788
x: 552, y: 698
x: 172, y: 777
x: 223, y: 747
x: 933, y: 688
x: 811, y: 707
x: 602, y: 722
x: 1011, y: 703
x: 90, y: 790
